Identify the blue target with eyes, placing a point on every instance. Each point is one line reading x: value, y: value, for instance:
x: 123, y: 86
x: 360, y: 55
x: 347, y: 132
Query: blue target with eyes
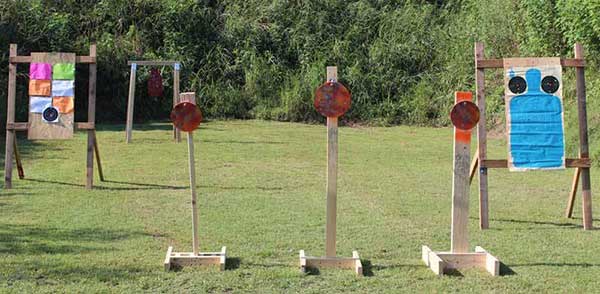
x: 536, y: 129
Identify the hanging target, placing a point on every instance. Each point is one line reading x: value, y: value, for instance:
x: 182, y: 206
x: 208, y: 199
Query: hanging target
x: 332, y: 99
x: 50, y: 114
x: 186, y: 116
x: 155, y: 84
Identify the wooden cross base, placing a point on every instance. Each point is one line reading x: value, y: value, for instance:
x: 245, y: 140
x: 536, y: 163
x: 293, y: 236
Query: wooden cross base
x: 353, y: 262
x: 189, y: 259
x: 442, y: 261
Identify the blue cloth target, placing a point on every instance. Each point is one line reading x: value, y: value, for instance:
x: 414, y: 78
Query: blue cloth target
x: 536, y: 123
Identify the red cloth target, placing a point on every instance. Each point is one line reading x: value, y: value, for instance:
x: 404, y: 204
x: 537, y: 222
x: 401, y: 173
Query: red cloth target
x: 186, y: 116
x: 155, y: 84
x: 332, y: 99
x: 464, y: 115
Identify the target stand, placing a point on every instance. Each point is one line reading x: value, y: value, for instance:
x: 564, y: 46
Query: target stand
x: 332, y: 100
x: 464, y: 116
x: 186, y: 116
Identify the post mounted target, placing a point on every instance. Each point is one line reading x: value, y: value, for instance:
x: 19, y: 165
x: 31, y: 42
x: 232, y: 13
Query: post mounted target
x: 464, y: 115
x: 332, y: 99
x: 186, y: 116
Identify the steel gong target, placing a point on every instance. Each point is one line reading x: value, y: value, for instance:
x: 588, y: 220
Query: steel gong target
x: 464, y: 115
x: 186, y: 116
x: 332, y: 99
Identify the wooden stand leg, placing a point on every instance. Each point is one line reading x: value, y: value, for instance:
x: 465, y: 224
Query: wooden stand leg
x: 176, y: 131
x: 130, y: 103
x: 18, y: 158
x: 8, y: 159
x: 10, y: 118
x: 586, y: 195
x: 190, y: 139
x: 89, y: 184
x: 332, y: 154
x: 573, y: 194
x: 97, y: 152
x: 481, y: 141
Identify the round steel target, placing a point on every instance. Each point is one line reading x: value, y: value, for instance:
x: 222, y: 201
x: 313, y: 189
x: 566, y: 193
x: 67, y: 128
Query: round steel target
x: 464, y: 115
x: 50, y: 114
x: 186, y: 116
x: 332, y: 99
x: 550, y: 84
x: 517, y: 85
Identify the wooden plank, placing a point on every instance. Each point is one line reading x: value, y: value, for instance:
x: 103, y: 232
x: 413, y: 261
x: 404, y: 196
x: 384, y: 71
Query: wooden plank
x: 498, y: 63
x: 167, y: 261
x: 28, y: 59
x: 330, y: 262
x: 18, y: 159
x: 91, y: 119
x: 17, y: 126
x: 474, y: 166
x: 492, y: 264
x: 97, y: 153
x: 358, y: 269
x: 10, y: 118
x: 130, y: 104
x: 573, y: 194
x: 463, y: 260
x: 436, y: 264
x: 176, y: 131
x: 332, y: 157
x: 583, y: 141
x: 86, y: 59
x: 192, y: 166
x: 85, y: 125
x: 460, y: 184
x: 481, y: 139
x: 153, y: 62
x: 63, y: 129
x: 569, y: 162
x: 187, y: 97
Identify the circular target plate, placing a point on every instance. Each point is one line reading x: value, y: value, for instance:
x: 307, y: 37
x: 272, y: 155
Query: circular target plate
x: 186, y: 116
x: 50, y: 114
x: 332, y: 99
x: 464, y: 115
x: 550, y: 84
x: 517, y: 85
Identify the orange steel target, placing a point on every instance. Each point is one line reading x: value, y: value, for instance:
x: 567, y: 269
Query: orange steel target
x: 186, y: 116
x: 464, y: 115
x: 332, y: 99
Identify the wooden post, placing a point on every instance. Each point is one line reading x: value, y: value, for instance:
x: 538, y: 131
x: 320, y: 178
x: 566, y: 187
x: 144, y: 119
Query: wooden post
x: 460, y: 187
x: 10, y: 119
x: 195, y: 245
x: 176, y: 68
x: 583, y: 141
x: 130, y: 103
x: 332, y: 156
x: 91, y: 119
x: 481, y: 139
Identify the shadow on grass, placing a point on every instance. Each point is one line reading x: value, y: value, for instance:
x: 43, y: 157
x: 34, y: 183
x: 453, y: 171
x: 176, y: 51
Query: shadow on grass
x: 58, y: 273
x: 242, y: 142
x: 137, y: 186
x: 541, y: 223
x: 367, y: 267
x: 27, y: 239
x: 232, y: 263
x: 556, y: 264
x: 505, y: 270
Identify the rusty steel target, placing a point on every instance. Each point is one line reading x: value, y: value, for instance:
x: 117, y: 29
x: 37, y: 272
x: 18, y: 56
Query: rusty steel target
x: 186, y: 116
x: 332, y: 99
x: 464, y: 115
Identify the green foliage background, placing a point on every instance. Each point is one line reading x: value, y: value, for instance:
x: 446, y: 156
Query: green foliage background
x: 402, y: 59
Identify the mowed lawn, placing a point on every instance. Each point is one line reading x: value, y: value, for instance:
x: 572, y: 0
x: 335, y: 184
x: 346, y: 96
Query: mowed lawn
x: 261, y: 188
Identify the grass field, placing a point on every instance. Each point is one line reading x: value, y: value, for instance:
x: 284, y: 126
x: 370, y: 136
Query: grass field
x: 262, y: 194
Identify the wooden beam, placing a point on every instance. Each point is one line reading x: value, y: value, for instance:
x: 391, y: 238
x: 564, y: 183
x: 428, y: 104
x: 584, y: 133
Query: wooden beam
x: 18, y: 160
x: 586, y: 196
x: 153, y: 62
x: 130, y: 104
x: 474, y: 166
x: 97, y: 153
x: 569, y: 162
x: 78, y: 59
x: 176, y: 131
x: 481, y: 139
x: 85, y: 125
x: 498, y: 63
x: 573, y: 194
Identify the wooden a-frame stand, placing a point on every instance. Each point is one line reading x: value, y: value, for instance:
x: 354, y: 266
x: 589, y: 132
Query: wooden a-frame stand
x: 131, y: 98
x: 459, y: 256
x: 331, y: 259
x: 12, y: 126
x: 194, y: 258
x: 582, y: 164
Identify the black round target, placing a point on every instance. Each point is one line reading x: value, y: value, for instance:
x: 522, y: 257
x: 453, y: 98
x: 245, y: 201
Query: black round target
x: 550, y: 84
x: 50, y: 114
x: 517, y: 85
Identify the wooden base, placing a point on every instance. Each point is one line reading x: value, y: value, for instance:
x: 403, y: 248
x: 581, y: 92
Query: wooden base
x: 307, y: 262
x: 439, y: 262
x: 189, y: 259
